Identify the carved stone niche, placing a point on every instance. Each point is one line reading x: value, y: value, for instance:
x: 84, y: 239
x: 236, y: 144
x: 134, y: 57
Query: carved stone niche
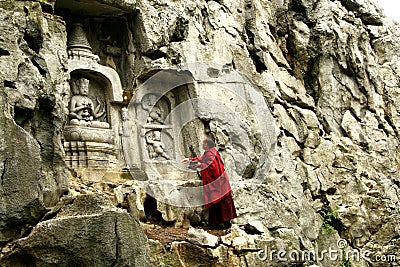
x: 92, y: 128
x: 157, y: 130
x: 90, y: 138
x: 160, y: 127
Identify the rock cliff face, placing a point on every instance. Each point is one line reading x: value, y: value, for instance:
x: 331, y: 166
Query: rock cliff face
x: 33, y: 113
x: 328, y: 71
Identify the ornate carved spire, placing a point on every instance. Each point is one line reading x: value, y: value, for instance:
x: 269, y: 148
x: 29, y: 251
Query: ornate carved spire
x: 78, y: 45
x: 77, y: 39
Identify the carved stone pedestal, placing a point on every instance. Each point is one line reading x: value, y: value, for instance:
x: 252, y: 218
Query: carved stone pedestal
x: 88, y: 147
x: 83, y: 154
x: 94, y: 161
x: 88, y: 134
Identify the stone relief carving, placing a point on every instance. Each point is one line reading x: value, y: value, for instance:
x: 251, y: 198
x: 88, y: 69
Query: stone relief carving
x: 125, y: 135
x: 155, y: 147
x: 90, y: 141
x: 82, y: 109
x: 156, y: 111
x: 110, y: 50
x: 155, y: 115
x: 90, y: 136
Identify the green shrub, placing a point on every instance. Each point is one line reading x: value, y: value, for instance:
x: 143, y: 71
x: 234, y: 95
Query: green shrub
x: 346, y: 262
x: 327, y: 219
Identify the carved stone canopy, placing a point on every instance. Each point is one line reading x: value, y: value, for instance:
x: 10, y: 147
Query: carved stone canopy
x: 90, y: 8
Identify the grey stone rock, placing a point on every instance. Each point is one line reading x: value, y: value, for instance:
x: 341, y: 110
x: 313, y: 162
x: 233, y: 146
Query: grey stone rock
x: 256, y: 227
x: 201, y: 237
x: 367, y: 11
x: 22, y: 204
x: 174, y: 204
x: 192, y: 255
x: 34, y: 78
x: 102, y: 234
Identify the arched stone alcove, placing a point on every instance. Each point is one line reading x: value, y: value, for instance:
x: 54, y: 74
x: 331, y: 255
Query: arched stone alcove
x: 91, y: 134
x: 159, y: 136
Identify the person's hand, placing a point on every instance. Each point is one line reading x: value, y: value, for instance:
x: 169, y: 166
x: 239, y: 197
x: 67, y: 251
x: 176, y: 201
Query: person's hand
x: 185, y: 160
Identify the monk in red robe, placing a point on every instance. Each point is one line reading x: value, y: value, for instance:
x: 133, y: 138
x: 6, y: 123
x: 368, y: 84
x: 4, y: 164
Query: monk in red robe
x: 217, y: 191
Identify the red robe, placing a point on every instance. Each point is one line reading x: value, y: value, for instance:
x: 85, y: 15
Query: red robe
x: 216, y: 187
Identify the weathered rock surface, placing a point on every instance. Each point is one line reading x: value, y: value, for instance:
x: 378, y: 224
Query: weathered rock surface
x: 237, y: 248
x: 86, y: 230
x: 33, y: 172
x: 329, y: 72
x: 21, y: 200
x: 201, y: 237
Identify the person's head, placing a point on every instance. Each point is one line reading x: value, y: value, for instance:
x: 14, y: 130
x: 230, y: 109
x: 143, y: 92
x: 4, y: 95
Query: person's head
x: 83, y: 85
x: 208, y: 143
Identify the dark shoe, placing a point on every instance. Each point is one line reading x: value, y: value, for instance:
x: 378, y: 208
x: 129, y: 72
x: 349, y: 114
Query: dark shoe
x: 217, y: 227
x: 227, y: 225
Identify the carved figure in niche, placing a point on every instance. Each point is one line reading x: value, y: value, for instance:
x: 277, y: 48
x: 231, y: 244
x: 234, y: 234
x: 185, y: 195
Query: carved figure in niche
x: 155, y: 147
x: 153, y: 108
x: 126, y: 151
x: 81, y: 109
x: 124, y: 113
x: 110, y: 50
x: 111, y: 47
x: 155, y: 115
x: 124, y: 126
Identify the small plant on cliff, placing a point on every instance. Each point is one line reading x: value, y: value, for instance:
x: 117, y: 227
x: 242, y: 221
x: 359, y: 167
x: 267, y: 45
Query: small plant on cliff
x: 327, y: 219
x: 167, y: 262
x: 346, y: 262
